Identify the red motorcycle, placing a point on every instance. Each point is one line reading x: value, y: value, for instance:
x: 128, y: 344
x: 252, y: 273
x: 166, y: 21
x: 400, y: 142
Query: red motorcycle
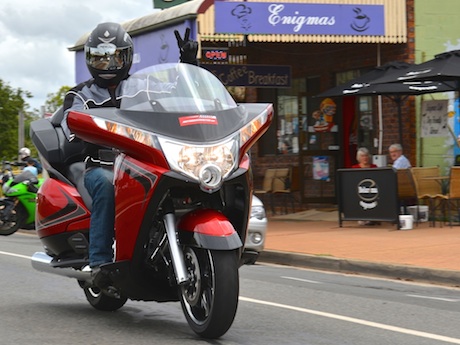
x: 183, y: 188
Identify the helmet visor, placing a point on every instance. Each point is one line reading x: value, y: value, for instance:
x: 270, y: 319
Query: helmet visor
x: 108, y: 57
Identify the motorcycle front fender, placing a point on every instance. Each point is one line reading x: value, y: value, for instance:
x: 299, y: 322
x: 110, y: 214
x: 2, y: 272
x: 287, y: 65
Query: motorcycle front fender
x: 209, y: 229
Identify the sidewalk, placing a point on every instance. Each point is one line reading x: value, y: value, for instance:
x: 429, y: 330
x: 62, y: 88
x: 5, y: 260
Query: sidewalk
x: 313, y: 239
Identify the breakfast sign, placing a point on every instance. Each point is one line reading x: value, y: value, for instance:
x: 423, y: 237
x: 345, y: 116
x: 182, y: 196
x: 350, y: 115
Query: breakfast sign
x: 298, y: 18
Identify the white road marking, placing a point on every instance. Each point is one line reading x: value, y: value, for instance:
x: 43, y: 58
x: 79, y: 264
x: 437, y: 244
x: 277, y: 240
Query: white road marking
x: 16, y: 255
x: 330, y: 315
x: 435, y: 298
x: 357, y: 321
x: 302, y: 280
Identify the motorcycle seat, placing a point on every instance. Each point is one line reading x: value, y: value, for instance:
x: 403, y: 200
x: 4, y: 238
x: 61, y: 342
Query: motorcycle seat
x: 75, y: 174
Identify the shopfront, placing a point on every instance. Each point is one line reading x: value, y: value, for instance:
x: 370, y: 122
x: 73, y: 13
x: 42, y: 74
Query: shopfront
x: 304, y: 49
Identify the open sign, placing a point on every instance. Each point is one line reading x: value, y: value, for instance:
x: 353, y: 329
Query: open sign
x: 210, y: 54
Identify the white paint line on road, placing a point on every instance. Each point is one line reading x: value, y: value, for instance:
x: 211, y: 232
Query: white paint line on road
x: 330, y: 315
x: 302, y: 280
x: 357, y: 321
x: 16, y: 255
x: 435, y: 298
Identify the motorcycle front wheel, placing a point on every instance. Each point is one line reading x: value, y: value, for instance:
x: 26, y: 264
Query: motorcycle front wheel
x: 210, y: 298
x: 12, y: 222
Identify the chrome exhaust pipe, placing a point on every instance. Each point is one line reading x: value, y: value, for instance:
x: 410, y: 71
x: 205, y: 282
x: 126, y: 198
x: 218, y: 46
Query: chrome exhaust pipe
x: 42, y: 262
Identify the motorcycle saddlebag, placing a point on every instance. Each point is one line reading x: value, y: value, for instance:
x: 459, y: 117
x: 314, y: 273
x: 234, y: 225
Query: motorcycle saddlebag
x: 50, y: 141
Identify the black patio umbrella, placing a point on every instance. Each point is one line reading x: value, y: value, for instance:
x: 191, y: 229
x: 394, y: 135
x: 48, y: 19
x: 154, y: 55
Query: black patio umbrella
x: 444, y: 67
x: 366, y: 85
x: 352, y: 87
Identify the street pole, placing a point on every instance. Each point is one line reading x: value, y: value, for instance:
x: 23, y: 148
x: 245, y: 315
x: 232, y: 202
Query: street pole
x: 20, y: 130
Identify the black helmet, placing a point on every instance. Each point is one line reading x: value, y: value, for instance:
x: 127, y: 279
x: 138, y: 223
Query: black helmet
x: 109, y: 54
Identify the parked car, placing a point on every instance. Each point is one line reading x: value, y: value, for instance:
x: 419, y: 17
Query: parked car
x: 257, y: 230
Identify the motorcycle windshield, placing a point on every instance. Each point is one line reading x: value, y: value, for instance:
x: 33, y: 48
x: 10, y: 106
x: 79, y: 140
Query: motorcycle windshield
x: 181, y: 101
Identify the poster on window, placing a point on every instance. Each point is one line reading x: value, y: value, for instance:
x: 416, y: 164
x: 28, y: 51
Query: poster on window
x: 434, y: 119
x: 321, y: 168
x: 323, y: 118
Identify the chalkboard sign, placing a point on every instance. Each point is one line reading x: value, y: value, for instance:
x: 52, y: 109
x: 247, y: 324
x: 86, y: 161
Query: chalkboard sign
x: 368, y: 194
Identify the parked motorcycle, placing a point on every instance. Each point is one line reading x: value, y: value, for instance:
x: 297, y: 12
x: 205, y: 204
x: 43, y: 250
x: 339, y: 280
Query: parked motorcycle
x: 183, y: 188
x: 17, y: 206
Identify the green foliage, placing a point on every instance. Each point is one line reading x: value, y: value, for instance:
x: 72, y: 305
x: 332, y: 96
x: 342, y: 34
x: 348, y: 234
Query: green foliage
x: 55, y: 100
x: 11, y: 103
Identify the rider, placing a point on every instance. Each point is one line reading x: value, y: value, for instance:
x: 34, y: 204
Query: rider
x: 24, y: 155
x: 109, y: 55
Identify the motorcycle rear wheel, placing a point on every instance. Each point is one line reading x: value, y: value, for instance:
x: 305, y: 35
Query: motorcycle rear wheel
x: 17, y: 219
x: 100, y: 301
x: 210, y: 299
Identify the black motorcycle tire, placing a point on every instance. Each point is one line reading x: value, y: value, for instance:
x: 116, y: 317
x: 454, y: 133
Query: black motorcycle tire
x: 100, y: 301
x: 18, y: 217
x: 210, y: 299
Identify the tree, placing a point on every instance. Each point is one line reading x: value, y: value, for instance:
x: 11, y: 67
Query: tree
x: 55, y: 100
x: 11, y: 103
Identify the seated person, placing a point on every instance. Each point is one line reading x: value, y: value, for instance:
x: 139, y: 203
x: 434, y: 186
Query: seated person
x: 399, y: 160
x: 364, y: 159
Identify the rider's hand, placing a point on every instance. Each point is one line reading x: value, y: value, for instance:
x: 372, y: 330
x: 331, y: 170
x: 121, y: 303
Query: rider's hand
x: 188, y: 48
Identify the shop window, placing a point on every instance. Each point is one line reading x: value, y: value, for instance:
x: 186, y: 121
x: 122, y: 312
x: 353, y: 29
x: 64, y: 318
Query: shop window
x: 319, y: 121
x: 291, y: 104
x: 302, y: 122
x: 362, y: 124
x: 365, y: 122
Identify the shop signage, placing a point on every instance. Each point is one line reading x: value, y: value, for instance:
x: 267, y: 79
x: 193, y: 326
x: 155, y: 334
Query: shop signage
x: 162, y: 4
x: 434, y: 119
x: 251, y: 75
x: 214, y: 54
x: 367, y: 194
x: 298, y: 18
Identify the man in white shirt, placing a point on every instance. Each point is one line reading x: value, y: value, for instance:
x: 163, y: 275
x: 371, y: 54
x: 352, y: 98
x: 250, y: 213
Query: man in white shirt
x: 399, y: 160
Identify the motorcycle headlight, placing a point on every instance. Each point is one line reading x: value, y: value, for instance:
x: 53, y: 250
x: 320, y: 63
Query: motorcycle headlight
x: 7, y: 189
x: 207, y: 164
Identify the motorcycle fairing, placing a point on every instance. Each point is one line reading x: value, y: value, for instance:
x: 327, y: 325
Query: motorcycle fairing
x: 85, y: 127
x: 134, y: 185
x: 59, y: 206
x: 23, y: 187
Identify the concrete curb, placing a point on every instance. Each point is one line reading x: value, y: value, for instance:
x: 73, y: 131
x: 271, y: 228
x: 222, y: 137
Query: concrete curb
x: 398, y: 272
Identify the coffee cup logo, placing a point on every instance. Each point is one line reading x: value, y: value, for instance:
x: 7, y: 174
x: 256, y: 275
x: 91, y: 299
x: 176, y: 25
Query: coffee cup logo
x: 368, y: 193
x: 360, y: 21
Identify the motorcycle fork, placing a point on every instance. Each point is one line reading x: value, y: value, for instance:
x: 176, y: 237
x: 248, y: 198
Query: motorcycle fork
x: 177, y: 256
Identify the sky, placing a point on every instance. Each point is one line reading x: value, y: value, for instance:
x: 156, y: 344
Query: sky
x: 35, y: 36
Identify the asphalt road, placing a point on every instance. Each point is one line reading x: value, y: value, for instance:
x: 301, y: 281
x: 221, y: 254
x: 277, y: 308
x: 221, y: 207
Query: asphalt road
x: 278, y: 305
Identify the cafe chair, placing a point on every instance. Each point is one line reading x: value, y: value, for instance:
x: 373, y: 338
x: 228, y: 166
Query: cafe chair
x: 429, y: 191
x: 453, y: 196
x: 286, y: 184
x: 267, y: 186
x: 407, y: 192
x: 279, y: 183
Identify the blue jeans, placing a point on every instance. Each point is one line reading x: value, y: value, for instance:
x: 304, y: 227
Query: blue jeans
x: 99, y: 183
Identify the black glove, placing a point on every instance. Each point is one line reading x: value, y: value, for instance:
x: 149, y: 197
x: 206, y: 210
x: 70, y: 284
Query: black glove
x: 188, y: 48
